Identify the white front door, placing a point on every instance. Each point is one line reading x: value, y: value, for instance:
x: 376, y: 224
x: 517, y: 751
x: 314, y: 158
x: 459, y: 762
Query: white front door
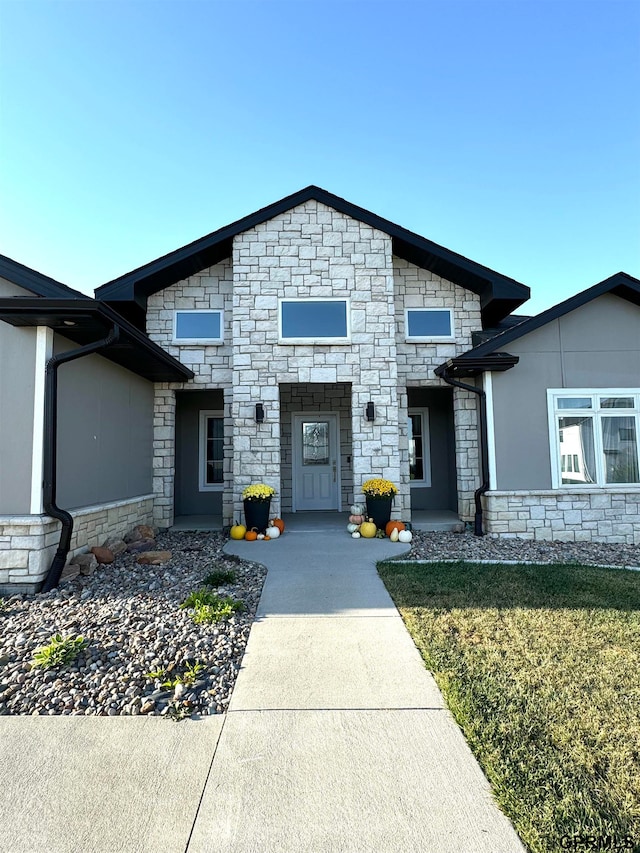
x: 316, y: 461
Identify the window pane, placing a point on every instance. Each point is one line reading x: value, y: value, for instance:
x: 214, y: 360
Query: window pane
x: 619, y: 443
x: 314, y: 319
x: 574, y: 403
x: 416, y: 466
x: 429, y: 324
x: 576, y: 435
x: 315, y: 443
x: 214, y: 450
x: 616, y: 402
x: 197, y: 324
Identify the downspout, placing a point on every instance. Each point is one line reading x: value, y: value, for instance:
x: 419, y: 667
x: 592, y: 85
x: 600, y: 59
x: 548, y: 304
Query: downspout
x: 50, y: 451
x: 443, y: 373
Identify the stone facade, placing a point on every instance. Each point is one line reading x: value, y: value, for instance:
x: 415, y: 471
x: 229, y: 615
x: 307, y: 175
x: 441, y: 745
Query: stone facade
x: 312, y: 251
x: 588, y: 515
x: 28, y: 543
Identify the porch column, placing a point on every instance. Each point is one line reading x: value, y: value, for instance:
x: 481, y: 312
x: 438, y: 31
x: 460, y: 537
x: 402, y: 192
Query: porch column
x: 164, y: 441
x: 227, y: 461
x: 465, y: 418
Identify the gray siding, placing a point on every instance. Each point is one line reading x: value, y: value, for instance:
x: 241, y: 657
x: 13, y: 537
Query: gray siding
x: 17, y: 378
x: 189, y: 500
x: 105, y: 431
x: 595, y: 346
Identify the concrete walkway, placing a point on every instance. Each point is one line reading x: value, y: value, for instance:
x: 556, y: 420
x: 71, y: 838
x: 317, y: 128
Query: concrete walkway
x: 337, y: 739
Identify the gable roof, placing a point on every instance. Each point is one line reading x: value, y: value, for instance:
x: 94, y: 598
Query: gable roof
x: 499, y: 294
x: 621, y: 284
x: 35, y: 282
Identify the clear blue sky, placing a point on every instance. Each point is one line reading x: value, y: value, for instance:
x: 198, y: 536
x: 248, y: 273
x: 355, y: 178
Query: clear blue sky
x: 506, y: 131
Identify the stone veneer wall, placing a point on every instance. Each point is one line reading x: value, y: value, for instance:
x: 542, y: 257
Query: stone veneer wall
x: 316, y: 398
x: 212, y: 288
x: 313, y: 250
x: 28, y: 542
x: 587, y: 515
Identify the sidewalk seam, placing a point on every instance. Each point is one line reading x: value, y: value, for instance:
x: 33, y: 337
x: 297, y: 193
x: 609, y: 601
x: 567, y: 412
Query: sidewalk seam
x: 206, y: 782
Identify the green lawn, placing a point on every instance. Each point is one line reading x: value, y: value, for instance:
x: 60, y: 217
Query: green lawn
x: 541, y: 667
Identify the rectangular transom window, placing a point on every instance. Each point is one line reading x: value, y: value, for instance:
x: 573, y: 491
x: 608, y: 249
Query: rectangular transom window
x: 429, y: 324
x: 594, y: 436
x: 211, y: 451
x: 198, y: 326
x: 320, y: 320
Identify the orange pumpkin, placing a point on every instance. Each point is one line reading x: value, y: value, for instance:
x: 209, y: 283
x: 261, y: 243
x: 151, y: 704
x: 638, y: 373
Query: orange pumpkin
x: 279, y: 523
x: 251, y: 535
x: 393, y: 525
x: 266, y: 538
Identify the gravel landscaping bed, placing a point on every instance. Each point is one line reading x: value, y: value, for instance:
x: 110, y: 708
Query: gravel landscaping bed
x: 130, y: 615
x: 466, y: 546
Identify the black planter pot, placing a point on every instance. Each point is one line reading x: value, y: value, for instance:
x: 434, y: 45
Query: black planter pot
x: 379, y: 509
x: 256, y: 514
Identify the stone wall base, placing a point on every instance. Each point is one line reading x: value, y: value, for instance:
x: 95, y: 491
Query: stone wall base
x: 563, y: 515
x: 28, y: 542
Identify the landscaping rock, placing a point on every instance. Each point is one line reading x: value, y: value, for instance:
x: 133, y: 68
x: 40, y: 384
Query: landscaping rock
x: 87, y: 563
x: 154, y: 558
x: 70, y: 572
x: 140, y: 532
x: 103, y: 555
x: 116, y: 545
x: 141, y: 545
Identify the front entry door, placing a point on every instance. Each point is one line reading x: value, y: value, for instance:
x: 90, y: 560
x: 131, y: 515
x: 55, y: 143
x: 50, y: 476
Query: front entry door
x: 316, y: 462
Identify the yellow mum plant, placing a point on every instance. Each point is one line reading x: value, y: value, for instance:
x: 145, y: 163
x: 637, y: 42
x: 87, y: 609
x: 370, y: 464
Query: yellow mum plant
x: 379, y: 488
x: 258, y: 492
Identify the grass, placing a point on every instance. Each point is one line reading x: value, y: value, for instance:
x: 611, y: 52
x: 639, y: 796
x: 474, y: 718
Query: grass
x: 540, y: 666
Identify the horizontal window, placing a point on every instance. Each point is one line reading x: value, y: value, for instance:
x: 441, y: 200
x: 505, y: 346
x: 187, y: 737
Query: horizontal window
x: 204, y: 326
x: 428, y: 324
x: 593, y: 444
x: 314, y: 320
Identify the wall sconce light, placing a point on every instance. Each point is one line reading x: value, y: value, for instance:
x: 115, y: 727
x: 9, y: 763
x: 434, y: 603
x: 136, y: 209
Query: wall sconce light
x: 370, y: 411
x: 259, y: 413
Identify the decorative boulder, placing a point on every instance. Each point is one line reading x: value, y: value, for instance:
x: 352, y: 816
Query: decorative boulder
x: 141, y: 531
x: 154, y: 558
x: 103, y: 555
x: 87, y: 563
x: 116, y: 545
x: 141, y: 545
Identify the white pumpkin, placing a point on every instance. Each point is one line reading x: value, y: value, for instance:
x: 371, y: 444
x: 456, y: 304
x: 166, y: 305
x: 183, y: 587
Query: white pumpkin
x: 260, y: 536
x: 357, y: 509
x: 395, y: 533
x: 405, y: 536
x: 355, y: 534
x: 273, y: 532
x: 352, y: 527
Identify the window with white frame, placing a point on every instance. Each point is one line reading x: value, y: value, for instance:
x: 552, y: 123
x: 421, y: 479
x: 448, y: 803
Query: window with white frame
x: 429, y: 324
x: 594, y: 436
x: 419, y: 448
x: 211, y: 451
x: 314, y: 320
x: 198, y: 326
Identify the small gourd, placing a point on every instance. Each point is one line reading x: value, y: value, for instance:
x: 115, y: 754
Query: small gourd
x: 266, y: 538
x: 251, y: 535
x: 260, y: 536
x: 368, y: 529
x: 352, y: 527
x: 238, y: 531
x: 395, y: 533
x: 357, y: 509
x: 355, y: 534
x: 356, y: 519
x: 405, y: 536
x: 273, y: 532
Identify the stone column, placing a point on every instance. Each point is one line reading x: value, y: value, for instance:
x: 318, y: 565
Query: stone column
x: 227, y: 464
x: 465, y: 418
x: 164, y: 437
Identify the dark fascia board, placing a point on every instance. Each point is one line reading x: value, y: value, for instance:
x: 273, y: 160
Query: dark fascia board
x: 194, y: 257
x: 35, y: 282
x: 91, y: 320
x: 464, y: 366
x: 621, y: 284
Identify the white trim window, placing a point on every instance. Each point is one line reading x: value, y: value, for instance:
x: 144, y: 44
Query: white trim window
x: 594, y: 436
x: 211, y: 451
x: 419, y: 448
x: 428, y: 324
x: 198, y: 326
x: 314, y: 320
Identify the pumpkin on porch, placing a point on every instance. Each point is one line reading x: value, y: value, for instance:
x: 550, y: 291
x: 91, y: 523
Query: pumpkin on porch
x: 393, y: 525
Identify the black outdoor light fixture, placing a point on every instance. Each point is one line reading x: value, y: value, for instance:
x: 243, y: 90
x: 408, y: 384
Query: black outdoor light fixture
x: 259, y: 413
x: 370, y: 411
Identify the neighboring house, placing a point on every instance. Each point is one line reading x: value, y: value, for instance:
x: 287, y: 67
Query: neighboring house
x: 312, y: 345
